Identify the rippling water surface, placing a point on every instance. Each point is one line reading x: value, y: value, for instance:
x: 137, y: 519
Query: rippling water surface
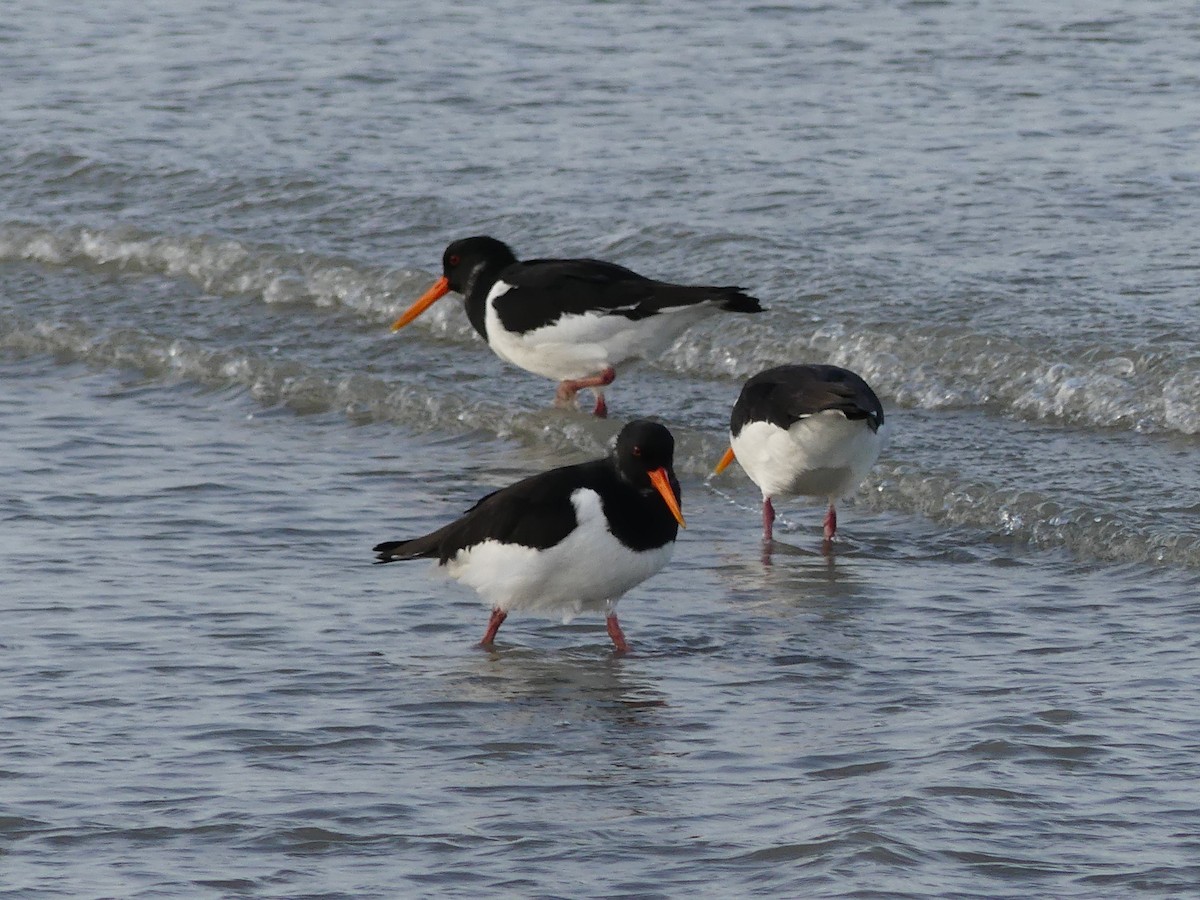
x: 208, y: 217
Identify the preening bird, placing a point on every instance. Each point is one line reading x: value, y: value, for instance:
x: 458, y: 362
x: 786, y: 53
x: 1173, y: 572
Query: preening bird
x: 805, y: 430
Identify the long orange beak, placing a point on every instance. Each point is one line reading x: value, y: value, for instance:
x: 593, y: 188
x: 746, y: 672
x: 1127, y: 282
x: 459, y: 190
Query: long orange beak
x: 440, y: 288
x: 725, y: 461
x: 662, y: 484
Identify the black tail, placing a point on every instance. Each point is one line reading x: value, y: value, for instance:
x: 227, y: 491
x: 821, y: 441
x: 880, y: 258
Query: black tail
x: 734, y: 299
x: 429, y: 545
x: 392, y: 551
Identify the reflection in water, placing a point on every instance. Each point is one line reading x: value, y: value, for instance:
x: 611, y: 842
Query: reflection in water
x: 596, y: 673
x: 582, y: 709
x: 580, y: 738
x: 791, y: 576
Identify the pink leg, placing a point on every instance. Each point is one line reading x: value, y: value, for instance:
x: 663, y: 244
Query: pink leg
x: 768, y: 519
x: 830, y: 523
x: 617, y: 635
x: 494, y: 623
x: 565, y: 395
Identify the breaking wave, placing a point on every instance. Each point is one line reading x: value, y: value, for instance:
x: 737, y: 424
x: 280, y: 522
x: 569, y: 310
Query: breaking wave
x: 1024, y: 515
x: 946, y: 369
x: 1147, y: 390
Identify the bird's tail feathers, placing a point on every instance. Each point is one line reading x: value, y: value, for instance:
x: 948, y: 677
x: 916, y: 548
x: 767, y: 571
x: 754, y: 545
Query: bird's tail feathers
x: 395, y: 551
x: 734, y: 299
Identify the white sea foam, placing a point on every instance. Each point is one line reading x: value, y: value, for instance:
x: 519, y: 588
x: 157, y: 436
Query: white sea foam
x: 1089, y: 529
x: 230, y: 268
x: 944, y: 369
x: 911, y: 365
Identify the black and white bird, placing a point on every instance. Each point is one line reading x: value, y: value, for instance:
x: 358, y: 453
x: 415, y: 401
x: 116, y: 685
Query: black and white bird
x: 567, y: 541
x: 572, y: 320
x: 805, y: 430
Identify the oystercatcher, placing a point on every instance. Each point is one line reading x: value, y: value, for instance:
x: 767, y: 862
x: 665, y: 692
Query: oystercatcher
x: 567, y: 541
x: 805, y: 430
x: 572, y: 320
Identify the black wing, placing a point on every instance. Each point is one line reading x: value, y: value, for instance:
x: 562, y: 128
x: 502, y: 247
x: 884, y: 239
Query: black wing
x: 786, y: 394
x: 544, y: 290
x: 536, y: 512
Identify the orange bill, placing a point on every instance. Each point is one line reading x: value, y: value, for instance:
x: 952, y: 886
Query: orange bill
x: 662, y: 484
x: 440, y: 288
x: 725, y: 461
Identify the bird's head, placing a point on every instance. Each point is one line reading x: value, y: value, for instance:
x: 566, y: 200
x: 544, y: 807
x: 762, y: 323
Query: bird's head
x: 464, y: 263
x: 644, y: 456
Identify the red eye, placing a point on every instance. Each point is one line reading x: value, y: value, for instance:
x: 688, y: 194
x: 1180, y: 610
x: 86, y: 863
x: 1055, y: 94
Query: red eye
x: 454, y: 259
x: 636, y: 451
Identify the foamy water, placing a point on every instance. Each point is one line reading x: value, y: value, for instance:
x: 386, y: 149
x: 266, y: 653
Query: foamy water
x: 208, y: 218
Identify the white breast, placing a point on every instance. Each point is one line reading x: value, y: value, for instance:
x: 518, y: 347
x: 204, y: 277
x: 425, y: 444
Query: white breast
x: 577, y: 346
x: 822, y: 455
x: 587, y: 571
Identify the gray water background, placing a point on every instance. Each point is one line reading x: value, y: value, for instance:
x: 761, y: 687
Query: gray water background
x: 208, y: 216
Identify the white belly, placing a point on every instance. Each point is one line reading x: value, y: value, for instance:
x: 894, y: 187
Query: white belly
x: 822, y: 455
x: 577, y: 346
x: 588, y: 571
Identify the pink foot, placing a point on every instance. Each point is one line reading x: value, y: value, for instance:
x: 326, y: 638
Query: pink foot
x: 830, y: 523
x: 830, y: 530
x: 494, y: 623
x: 565, y: 395
x: 617, y: 635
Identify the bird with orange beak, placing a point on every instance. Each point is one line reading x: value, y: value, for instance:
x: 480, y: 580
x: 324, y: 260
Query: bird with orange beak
x: 571, y: 320
x: 805, y: 430
x: 567, y: 541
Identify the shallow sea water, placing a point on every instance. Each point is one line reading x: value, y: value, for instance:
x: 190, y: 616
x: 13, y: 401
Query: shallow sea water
x: 208, y: 217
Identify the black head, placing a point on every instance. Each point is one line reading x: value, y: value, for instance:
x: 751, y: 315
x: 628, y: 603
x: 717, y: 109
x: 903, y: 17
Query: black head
x: 466, y: 260
x: 643, y: 445
x: 471, y: 267
x: 644, y: 456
